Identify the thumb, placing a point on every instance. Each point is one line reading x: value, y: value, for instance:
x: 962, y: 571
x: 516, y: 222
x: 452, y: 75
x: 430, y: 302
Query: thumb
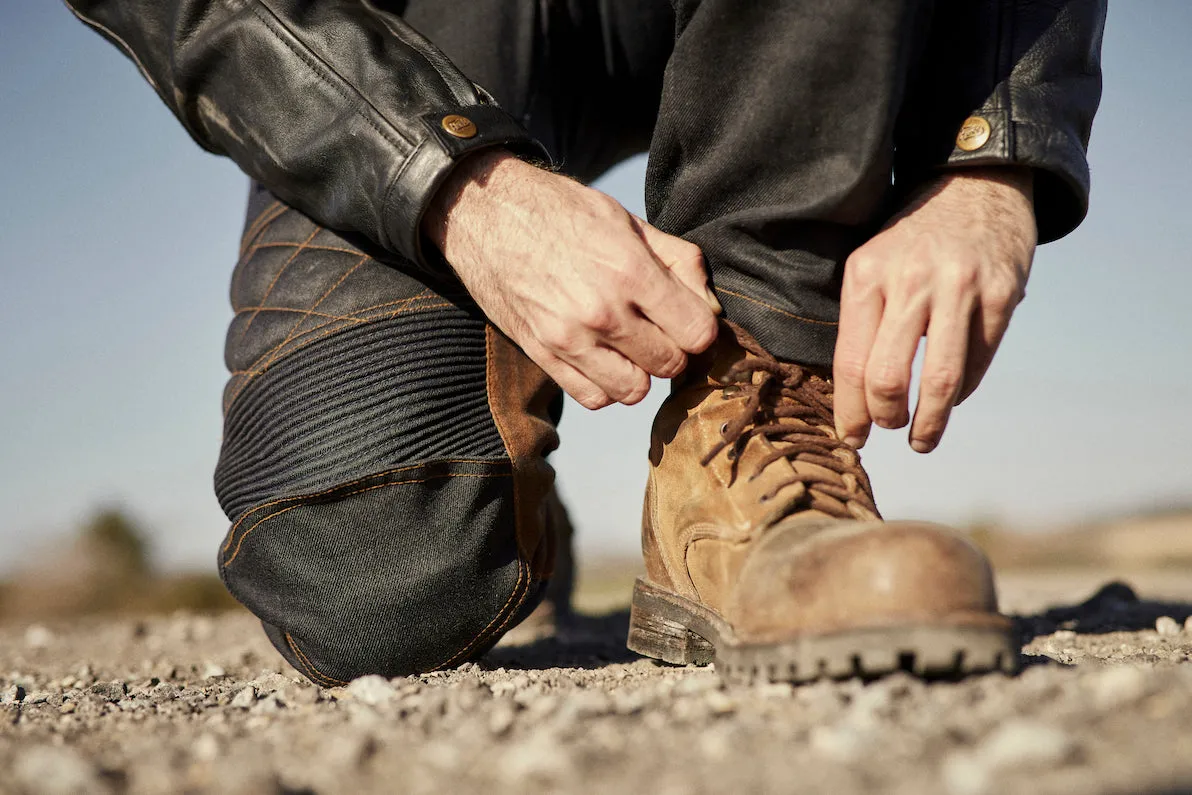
x: 684, y: 260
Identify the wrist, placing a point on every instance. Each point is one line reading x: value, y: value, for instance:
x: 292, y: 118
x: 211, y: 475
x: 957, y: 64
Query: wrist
x: 468, y: 191
x: 1019, y: 179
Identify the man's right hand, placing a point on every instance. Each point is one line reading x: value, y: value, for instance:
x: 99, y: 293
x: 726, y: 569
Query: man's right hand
x: 598, y: 298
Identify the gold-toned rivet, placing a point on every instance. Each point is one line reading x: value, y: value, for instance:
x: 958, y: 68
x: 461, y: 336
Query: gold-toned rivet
x: 459, y: 126
x: 973, y: 134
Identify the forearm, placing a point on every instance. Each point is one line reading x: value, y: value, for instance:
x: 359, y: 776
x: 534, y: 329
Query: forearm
x: 339, y: 108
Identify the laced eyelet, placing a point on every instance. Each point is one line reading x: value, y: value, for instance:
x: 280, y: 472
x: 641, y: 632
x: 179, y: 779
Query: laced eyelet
x: 730, y: 392
x: 732, y: 454
x: 764, y: 498
x: 724, y: 429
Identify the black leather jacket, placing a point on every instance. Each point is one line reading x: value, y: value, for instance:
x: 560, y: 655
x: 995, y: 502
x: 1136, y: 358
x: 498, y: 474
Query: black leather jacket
x: 339, y: 107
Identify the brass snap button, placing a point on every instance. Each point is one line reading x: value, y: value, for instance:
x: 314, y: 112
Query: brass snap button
x: 973, y: 134
x: 459, y: 126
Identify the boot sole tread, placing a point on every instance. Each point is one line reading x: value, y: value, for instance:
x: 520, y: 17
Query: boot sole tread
x: 671, y: 628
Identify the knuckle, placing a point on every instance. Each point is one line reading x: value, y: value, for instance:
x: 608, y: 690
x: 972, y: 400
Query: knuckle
x: 561, y: 340
x: 941, y: 384
x: 599, y: 317
x: 850, y: 371
x: 887, y: 387
x: 887, y: 384
x: 674, y: 364
x: 637, y: 391
x: 703, y: 332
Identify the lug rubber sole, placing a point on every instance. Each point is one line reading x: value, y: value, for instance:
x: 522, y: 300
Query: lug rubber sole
x: 669, y: 627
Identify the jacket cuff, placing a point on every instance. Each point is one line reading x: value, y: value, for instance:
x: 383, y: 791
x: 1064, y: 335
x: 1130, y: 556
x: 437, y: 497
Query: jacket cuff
x: 1061, y: 179
x: 452, y: 135
x: 990, y: 137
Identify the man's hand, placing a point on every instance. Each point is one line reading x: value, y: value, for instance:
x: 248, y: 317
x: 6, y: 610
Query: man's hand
x: 597, y: 297
x: 952, y: 265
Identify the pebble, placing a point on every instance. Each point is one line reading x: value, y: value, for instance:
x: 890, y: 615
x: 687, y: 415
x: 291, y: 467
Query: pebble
x: 12, y: 695
x: 109, y: 691
x: 1167, y: 626
x: 1020, y: 742
x: 841, y: 743
x: 57, y: 771
x: 1118, y: 686
x: 38, y: 637
x: 213, y: 671
x: 501, y: 719
x: 245, y: 698
x: 206, y: 748
x: 268, y: 681
x: 372, y: 690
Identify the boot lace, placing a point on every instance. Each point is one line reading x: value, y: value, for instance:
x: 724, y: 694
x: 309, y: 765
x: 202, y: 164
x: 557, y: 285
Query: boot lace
x: 787, y: 391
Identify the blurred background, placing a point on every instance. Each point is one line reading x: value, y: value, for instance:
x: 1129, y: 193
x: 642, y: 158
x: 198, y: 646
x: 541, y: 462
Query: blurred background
x: 118, y: 235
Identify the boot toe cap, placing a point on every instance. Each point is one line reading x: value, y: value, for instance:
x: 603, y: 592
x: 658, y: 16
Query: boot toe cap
x: 855, y: 576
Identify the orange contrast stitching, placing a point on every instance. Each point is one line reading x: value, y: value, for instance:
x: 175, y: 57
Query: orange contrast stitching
x: 776, y: 309
x: 333, y: 489
x: 276, y: 277
x: 275, y: 514
x: 508, y: 617
x: 255, y: 371
x: 261, y: 221
x: 339, y: 249
x: 317, y: 304
x: 312, y: 671
x: 349, y: 318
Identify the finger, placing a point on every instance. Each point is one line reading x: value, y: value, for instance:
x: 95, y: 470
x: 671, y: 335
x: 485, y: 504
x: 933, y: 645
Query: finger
x: 681, y: 258
x: 860, y: 315
x: 670, y: 305
x: 888, y: 371
x: 571, y: 380
x: 615, y: 375
x: 644, y: 344
x: 943, y: 372
x: 989, y: 324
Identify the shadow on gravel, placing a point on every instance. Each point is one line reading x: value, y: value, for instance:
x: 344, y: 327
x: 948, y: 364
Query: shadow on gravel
x: 1113, y: 608
x: 582, y: 642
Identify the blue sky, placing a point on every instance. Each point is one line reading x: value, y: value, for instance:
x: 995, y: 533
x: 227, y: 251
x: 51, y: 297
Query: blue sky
x: 117, y: 237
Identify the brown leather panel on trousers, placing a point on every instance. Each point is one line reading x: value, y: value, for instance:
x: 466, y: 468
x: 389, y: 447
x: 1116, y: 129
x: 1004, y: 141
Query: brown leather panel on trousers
x: 520, y: 395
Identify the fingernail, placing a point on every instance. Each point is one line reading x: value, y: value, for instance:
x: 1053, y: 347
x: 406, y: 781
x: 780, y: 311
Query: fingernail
x: 713, y: 301
x: 920, y: 446
x: 855, y: 442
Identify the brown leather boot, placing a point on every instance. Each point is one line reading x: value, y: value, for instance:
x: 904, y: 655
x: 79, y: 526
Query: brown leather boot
x: 765, y: 552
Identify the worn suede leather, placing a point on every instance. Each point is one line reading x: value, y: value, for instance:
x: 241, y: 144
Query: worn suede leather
x: 784, y: 566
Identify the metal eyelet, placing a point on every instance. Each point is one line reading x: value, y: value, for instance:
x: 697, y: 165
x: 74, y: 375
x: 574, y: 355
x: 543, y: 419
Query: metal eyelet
x: 730, y: 392
x: 724, y: 429
x: 732, y: 454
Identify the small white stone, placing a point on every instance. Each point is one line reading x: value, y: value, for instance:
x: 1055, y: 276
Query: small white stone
x: 1167, y: 626
x: 841, y: 743
x: 1118, y: 686
x: 372, y: 690
x: 38, y: 637
x: 213, y: 671
x: 963, y: 774
x: 1021, y: 742
x: 245, y: 698
x: 206, y: 748
x: 1188, y: 624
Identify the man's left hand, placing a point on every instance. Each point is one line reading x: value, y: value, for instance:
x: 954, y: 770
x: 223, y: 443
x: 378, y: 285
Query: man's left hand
x: 952, y: 265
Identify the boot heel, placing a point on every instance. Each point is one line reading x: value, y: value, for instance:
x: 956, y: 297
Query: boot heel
x: 656, y: 629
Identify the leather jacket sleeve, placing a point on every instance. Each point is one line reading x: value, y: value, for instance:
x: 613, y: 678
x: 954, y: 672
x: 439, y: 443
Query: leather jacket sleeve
x: 1008, y: 82
x: 338, y: 107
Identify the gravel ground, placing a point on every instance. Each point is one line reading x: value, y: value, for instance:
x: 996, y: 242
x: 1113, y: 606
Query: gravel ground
x: 202, y: 704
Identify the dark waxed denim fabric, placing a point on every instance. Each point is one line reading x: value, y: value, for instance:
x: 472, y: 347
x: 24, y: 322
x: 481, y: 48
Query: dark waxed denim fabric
x: 371, y: 495
x: 369, y: 489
